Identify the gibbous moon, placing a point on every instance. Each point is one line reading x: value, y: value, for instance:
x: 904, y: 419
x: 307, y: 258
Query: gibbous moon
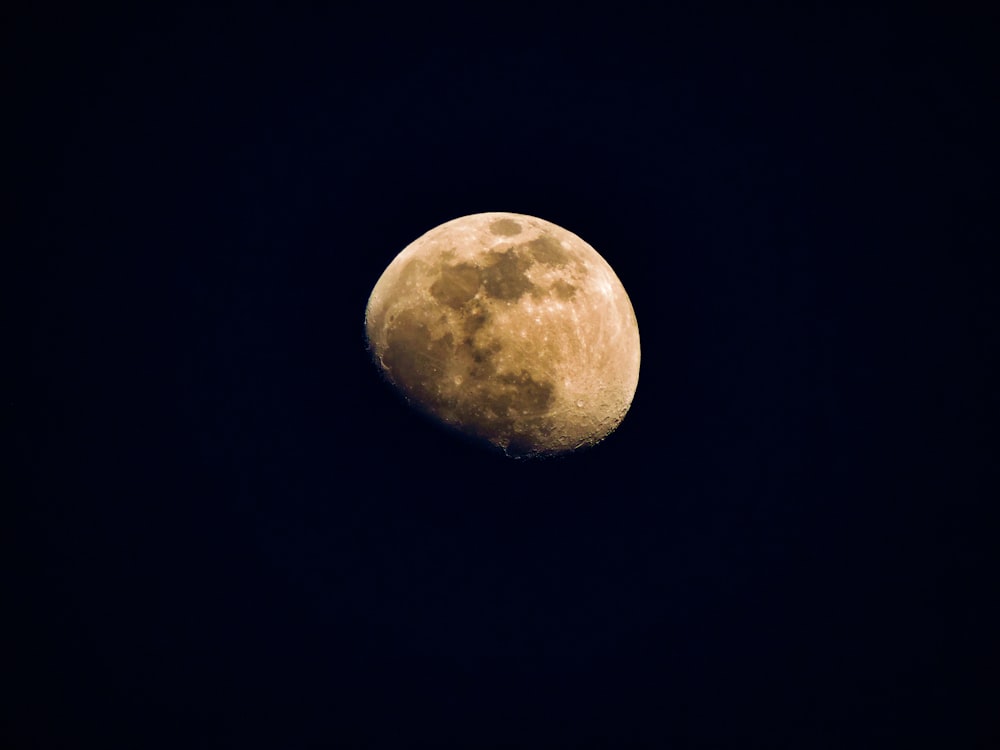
x: 509, y: 329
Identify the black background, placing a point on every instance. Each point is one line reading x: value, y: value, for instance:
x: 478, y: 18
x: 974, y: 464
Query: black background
x: 230, y: 533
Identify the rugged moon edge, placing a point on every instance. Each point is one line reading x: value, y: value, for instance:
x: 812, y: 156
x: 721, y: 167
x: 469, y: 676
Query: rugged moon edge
x: 509, y: 329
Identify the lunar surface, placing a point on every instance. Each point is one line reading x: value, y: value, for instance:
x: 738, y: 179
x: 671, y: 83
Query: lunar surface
x: 509, y: 329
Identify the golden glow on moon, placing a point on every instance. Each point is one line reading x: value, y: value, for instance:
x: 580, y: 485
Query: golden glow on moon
x: 510, y: 329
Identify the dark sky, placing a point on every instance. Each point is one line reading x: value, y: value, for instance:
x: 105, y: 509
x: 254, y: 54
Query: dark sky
x: 228, y: 531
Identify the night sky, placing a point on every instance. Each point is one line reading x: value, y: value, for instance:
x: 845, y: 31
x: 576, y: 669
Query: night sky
x: 228, y: 531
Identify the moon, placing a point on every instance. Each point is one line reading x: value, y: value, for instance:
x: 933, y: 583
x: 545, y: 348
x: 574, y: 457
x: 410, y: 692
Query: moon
x: 509, y: 329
